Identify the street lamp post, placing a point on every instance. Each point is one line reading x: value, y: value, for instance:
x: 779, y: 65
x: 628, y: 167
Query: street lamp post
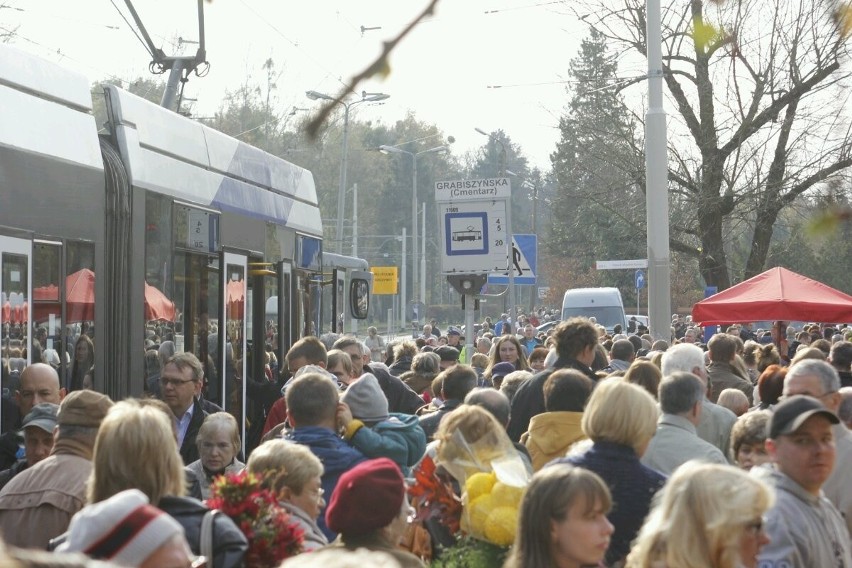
x: 365, y: 98
x: 385, y: 149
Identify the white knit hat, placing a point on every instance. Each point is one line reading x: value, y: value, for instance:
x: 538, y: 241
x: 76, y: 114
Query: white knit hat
x: 123, y: 529
x: 366, y: 400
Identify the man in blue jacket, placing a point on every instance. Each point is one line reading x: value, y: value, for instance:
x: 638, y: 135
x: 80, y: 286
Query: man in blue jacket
x: 312, y: 404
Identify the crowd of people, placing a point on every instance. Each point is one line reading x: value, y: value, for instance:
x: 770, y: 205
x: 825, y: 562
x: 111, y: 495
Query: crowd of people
x: 727, y: 451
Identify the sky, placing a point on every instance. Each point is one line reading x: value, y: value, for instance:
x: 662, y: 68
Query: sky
x: 445, y: 71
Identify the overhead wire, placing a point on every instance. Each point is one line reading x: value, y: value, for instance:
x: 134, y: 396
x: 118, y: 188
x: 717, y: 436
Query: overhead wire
x: 133, y: 29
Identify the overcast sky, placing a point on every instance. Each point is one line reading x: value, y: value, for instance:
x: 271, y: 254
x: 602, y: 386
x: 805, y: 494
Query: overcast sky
x: 444, y: 71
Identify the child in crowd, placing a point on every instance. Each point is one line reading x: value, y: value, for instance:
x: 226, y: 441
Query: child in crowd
x: 367, y: 426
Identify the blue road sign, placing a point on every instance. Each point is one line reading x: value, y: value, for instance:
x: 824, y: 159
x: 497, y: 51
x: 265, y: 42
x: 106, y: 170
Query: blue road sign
x: 640, y: 279
x: 523, y: 261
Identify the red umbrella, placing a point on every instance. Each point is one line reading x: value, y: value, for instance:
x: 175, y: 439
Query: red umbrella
x: 80, y: 300
x: 157, y: 305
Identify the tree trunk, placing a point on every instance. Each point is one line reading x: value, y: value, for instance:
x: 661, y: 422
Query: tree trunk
x: 763, y: 228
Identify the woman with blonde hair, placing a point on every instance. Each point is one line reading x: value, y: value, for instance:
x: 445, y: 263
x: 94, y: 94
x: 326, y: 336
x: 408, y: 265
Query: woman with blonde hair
x: 506, y: 349
x: 562, y: 520
x: 707, y: 516
x: 620, y: 419
x: 136, y: 449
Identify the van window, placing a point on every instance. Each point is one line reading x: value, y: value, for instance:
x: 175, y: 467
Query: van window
x: 607, y: 316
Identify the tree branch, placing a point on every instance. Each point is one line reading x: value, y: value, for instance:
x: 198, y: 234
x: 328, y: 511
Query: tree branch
x: 380, y: 65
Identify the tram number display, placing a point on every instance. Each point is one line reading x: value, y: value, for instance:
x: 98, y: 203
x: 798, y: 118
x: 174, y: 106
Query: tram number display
x: 196, y: 229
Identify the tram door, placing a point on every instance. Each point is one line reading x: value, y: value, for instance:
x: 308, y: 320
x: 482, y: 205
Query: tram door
x: 236, y: 310
x: 15, y: 294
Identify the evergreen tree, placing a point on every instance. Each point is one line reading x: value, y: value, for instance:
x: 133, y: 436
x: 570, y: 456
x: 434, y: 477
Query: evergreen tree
x: 599, y: 210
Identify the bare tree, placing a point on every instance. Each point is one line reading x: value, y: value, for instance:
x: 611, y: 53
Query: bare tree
x: 757, y: 88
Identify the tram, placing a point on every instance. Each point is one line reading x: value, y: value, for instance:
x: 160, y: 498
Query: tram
x: 157, y: 229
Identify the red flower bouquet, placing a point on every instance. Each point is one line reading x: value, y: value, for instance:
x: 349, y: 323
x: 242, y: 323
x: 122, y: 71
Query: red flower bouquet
x: 272, y: 535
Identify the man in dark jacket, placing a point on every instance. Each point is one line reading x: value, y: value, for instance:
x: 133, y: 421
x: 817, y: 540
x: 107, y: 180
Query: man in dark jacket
x: 312, y: 401
x: 576, y: 339
x: 181, y: 381
x: 459, y: 380
x: 400, y: 397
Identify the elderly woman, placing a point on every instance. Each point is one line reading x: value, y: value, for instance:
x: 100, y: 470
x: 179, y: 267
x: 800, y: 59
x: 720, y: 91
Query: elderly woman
x: 747, y: 439
x: 707, y: 516
x: 369, y: 509
x: 218, y: 444
x: 620, y: 419
x: 136, y: 449
x: 294, y: 474
x: 424, y: 368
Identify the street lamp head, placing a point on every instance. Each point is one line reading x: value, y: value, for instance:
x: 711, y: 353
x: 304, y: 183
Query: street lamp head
x: 373, y: 97
x: 316, y: 95
x: 384, y: 149
x: 436, y: 150
x: 482, y: 132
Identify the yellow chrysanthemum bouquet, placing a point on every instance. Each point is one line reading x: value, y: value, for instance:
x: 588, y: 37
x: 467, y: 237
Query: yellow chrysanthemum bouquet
x: 492, y: 476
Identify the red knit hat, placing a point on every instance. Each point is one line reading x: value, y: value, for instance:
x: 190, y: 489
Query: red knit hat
x: 367, y: 497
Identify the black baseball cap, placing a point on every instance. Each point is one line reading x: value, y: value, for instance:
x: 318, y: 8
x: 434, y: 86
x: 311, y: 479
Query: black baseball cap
x: 447, y: 353
x: 789, y: 415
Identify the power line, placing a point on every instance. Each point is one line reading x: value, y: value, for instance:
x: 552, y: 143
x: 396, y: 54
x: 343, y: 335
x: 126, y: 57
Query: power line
x: 618, y: 82
x: 295, y: 44
x: 123, y: 17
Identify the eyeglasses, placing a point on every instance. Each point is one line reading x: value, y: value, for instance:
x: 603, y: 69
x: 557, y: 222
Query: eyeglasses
x: 319, y: 493
x: 165, y: 381
x: 754, y: 527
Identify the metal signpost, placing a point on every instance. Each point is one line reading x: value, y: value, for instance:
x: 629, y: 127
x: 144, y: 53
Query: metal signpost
x: 474, y: 223
x: 640, y: 283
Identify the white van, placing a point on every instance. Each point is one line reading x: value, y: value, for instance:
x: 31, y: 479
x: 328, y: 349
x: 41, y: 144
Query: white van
x: 604, y: 304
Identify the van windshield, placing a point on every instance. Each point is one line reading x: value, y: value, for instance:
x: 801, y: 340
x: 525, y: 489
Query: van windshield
x: 607, y: 316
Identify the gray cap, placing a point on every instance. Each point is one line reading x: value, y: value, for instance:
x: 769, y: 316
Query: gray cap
x: 42, y: 415
x: 789, y: 415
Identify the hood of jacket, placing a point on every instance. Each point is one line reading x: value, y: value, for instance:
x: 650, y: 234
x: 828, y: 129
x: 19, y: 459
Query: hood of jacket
x: 554, y: 431
x: 335, y: 454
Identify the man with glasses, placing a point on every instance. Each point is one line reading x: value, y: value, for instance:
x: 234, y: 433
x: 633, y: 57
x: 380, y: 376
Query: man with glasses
x: 400, y: 396
x: 181, y: 381
x: 820, y: 380
x: 804, y: 528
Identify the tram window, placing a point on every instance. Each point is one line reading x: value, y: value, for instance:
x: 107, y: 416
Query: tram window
x: 196, y: 299
x: 80, y: 278
x: 15, y: 277
x: 236, y: 308
x: 360, y: 298
x: 46, y: 309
